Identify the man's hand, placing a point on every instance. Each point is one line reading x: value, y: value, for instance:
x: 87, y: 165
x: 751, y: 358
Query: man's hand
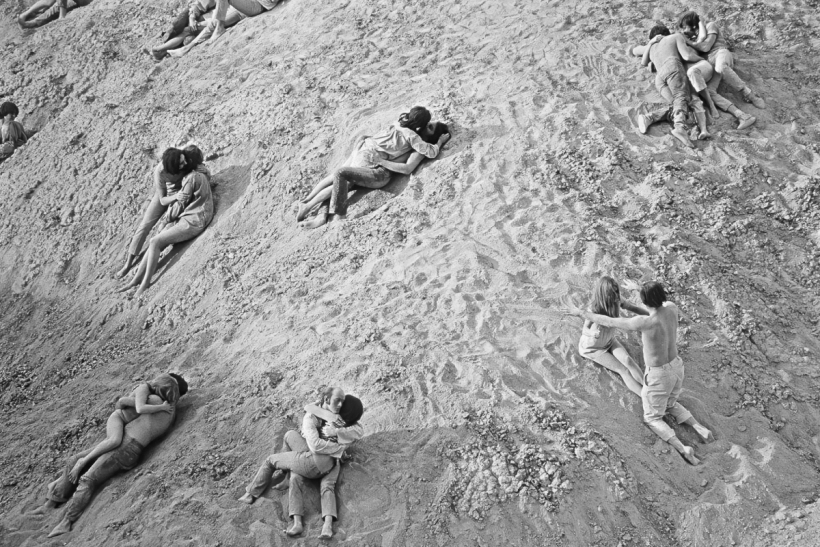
x: 442, y: 140
x: 339, y: 422
x: 167, y: 407
x: 657, y: 38
x: 569, y: 308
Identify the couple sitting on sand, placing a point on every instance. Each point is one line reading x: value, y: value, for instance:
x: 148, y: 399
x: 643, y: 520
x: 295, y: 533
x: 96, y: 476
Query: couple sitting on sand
x: 370, y: 165
x: 12, y: 133
x: 182, y: 201
x: 328, y: 428
x: 667, y: 53
x: 661, y: 384
x: 138, y: 420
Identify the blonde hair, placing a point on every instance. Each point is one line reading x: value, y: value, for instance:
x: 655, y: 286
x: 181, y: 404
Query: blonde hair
x: 606, y: 297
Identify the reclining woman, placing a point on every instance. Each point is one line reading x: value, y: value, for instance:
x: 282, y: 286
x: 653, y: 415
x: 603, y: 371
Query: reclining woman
x: 370, y: 164
x: 12, y: 133
x: 198, y: 212
x: 159, y: 395
x: 599, y: 344
x: 191, y: 23
x: 328, y: 428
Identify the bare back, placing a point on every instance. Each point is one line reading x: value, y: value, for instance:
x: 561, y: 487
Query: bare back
x: 660, y: 340
x: 664, y: 50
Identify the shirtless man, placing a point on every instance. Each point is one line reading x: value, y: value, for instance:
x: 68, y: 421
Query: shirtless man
x: 667, y: 52
x: 138, y: 435
x: 663, y: 379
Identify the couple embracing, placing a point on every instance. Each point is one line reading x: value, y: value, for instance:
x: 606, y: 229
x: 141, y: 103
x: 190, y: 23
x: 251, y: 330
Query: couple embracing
x: 329, y: 427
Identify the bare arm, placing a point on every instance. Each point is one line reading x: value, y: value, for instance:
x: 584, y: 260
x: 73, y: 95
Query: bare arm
x: 143, y: 406
x: 686, y: 52
x: 637, y: 51
x: 629, y: 306
x: 639, y: 323
x: 703, y: 45
x: 159, y: 186
x: 404, y: 168
x: 647, y: 48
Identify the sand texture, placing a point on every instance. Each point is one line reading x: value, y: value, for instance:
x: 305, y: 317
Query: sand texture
x: 435, y: 302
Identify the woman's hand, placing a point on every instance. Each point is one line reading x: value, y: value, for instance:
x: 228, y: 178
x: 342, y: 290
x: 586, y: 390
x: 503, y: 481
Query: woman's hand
x: 569, y: 308
x: 631, y: 285
x: 329, y: 430
x: 167, y: 407
x: 442, y: 140
x: 339, y: 422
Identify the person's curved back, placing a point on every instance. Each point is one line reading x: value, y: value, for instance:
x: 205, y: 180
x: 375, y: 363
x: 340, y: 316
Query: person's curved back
x: 417, y: 119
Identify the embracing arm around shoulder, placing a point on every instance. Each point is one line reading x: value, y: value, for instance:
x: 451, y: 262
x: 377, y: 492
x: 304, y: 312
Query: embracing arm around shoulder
x: 686, y: 52
x: 351, y: 434
x: 142, y: 405
x: 404, y: 168
x: 424, y: 148
x: 316, y: 444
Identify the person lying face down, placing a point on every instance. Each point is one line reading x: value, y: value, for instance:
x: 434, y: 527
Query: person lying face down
x: 12, y: 133
x: 370, y: 165
x: 139, y: 432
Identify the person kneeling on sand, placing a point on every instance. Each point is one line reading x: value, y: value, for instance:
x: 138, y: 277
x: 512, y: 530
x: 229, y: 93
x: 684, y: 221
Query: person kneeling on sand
x: 598, y: 342
x: 329, y: 427
x: 667, y: 52
x: 197, y: 214
x: 12, y: 133
x: 663, y: 379
x: 370, y: 164
x: 139, y: 433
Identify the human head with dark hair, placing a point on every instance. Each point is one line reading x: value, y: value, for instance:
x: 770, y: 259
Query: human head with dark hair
x: 433, y: 132
x: 352, y: 410
x: 174, y: 161
x: 659, y: 30
x: 183, y: 385
x: 653, y: 294
x: 193, y: 156
x: 606, y: 297
x: 689, y: 24
x: 417, y: 119
x: 9, y: 109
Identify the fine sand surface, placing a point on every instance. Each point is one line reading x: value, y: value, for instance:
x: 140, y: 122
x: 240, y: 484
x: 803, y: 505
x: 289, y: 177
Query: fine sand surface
x: 436, y: 301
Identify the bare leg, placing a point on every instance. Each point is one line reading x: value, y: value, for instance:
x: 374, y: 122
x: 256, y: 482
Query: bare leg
x: 114, y: 430
x: 324, y: 183
x: 710, y: 105
x: 135, y: 281
x: 232, y: 18
x: 49, y: 504
x: 217, y: 22
x: 150, y: 261
x: 327, y: 528
x: 63, y: 528
x: 317, y: 199
x: 130, y: 262
x: 296, y: 527
x: 615, y: 362
x: 320, y: 220
x: 687, y: 452
x: 700, y: 117
x: 37, y: 7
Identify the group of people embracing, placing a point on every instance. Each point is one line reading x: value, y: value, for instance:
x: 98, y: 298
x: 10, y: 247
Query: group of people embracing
x: 316, y: 452
x: 690, y: 65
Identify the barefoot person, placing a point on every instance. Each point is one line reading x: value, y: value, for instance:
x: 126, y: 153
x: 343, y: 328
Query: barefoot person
x: 667, y: 52
x: 248, y: 8
x: 315, y: 454
x: 663, y: 379
x: 138, y: 435
x: 196, y: 193
x: 128, y: 409
x: 598, y: 342
x: 192, y: 24
x: 12, y: 133
x: 45, y: 11
x: 708, y: 38
x: 168, y: 175
x: 364, y: 167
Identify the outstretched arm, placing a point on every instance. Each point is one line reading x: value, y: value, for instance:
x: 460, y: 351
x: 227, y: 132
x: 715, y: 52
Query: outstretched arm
x: 629, y: 306
x: 639, y: 323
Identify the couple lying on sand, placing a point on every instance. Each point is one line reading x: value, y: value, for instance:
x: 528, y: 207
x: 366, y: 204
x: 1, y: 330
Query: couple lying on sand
x: 328, y: 428
x: 667, y: 53
x: 370, y: 164
x: 661, y: 384
x: 138, y: 420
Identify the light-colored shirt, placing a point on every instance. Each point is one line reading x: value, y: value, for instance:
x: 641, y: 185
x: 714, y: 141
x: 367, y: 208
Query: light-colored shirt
x: 344, y: 435
x: 397, y: 141
x: 196, y: 191
x: 720, y: 41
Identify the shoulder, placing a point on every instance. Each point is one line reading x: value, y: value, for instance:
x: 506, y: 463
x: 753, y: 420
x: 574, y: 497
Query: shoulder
x: 712, y: 28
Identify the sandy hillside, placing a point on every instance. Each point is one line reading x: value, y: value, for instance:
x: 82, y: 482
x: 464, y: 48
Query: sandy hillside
x: 435, y: 302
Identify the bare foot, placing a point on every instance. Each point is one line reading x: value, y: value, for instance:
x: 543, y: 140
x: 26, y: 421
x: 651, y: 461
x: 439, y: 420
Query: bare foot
x: 643, y: 123
x: 282, y: 486
x: 295, y: 528
x: 704, y: 136
x: 327, y: 529
x: 21, y: 22
x: 302, y: 211
x: 714, y: 113
x: 680, y: 134
x: 124, y: 288
x: 748, y: 121
x: 247, y: 498
x: 141, y: 291
x: 74, y: 474
x: 704, y: 433
x: 317, y: 222
x: 689, y: 455
x: 177, y: 52
x: 62, y: 528
x: 219, y: 30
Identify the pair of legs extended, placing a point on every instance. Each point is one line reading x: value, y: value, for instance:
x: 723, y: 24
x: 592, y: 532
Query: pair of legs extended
x: 45, y: 10
x: 724, y: 62
x: 219, y: 21
x: 335, y: 189
x: 661, y: 389
x: 183, y: 230
x: 618, y: 360
x: 174, y: 45
x: 296, y: 458
x: 705, y: 81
